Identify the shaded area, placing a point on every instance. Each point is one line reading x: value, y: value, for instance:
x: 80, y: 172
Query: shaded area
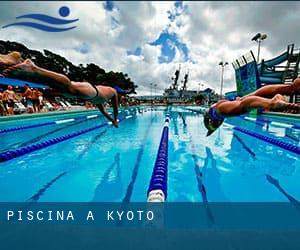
x: 106, y: 190
x: 39, y: 193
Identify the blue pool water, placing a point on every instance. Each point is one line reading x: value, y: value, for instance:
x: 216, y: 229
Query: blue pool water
x: 110, y: 164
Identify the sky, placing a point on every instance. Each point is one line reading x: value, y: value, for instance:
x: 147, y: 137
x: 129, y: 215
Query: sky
x: 148, y: 40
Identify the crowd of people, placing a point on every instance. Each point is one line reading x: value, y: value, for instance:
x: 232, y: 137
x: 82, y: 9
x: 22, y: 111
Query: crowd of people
x: 31, y: 98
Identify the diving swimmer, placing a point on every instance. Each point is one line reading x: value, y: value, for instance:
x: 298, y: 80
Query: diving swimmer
x: 96, y: 94
x: 267, y: 97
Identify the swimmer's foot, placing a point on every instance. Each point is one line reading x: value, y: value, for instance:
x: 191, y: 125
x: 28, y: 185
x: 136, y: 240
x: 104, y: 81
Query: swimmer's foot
x: 27, y: 66
x: 279, y: 104
x: 296, y: 85
x: 11, y: 58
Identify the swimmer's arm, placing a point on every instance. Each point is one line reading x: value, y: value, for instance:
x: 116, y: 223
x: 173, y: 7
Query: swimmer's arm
x: 104, y: 112
x: 115, y: 105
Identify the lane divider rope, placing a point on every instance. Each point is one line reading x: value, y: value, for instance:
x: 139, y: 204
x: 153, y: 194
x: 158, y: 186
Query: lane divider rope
x: 287, y: 146
x: 157, y: 191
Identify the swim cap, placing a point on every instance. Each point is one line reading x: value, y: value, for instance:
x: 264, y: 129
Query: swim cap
x: 211, y: 124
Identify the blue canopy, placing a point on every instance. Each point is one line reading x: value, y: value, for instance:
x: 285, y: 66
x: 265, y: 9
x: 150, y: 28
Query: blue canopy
x: 18, y: 83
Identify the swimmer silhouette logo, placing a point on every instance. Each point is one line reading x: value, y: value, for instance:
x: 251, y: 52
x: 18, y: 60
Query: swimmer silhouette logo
x: 40, y: 21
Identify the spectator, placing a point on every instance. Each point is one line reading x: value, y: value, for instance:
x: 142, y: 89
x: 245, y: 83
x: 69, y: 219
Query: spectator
x: 35, y: 100
x: 27, y: 95
x: 41, y: 100
x: 9, y: 98
x: 3, y: 110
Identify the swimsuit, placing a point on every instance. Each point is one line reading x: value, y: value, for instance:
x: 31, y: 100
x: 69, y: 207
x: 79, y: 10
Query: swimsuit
x: 120, y: 91
x: 97, y: 93
x: 117, y: 88
x: 214, y: 115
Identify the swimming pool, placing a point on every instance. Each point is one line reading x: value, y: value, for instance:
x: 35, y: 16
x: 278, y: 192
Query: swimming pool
x: 115, y: 165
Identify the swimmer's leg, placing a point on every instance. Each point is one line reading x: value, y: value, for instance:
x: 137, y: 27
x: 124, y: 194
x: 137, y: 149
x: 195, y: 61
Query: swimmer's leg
x: 282, y: 89
x: 245, y: 104
x: 11, y: 58
x: 64, y: 82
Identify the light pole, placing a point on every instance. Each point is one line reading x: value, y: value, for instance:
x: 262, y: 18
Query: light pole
x: 222, y: 64
x: 259, y: 38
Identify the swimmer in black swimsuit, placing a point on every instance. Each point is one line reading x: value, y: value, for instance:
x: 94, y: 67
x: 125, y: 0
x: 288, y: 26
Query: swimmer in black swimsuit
x: 268, y: 97
x: 97, y: 94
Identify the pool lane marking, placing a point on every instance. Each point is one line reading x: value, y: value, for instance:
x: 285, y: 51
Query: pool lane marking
x: 104, y: 178
x: 244, y: 145
x: 197, y: 167
x: 199, y: 175
x: 65, y: 121
x: 93, y: 116
x: 136, y: 167
x: 117, y: 157
x: 11, y: 154
x: 276, y: 184
x: 40, y: 192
